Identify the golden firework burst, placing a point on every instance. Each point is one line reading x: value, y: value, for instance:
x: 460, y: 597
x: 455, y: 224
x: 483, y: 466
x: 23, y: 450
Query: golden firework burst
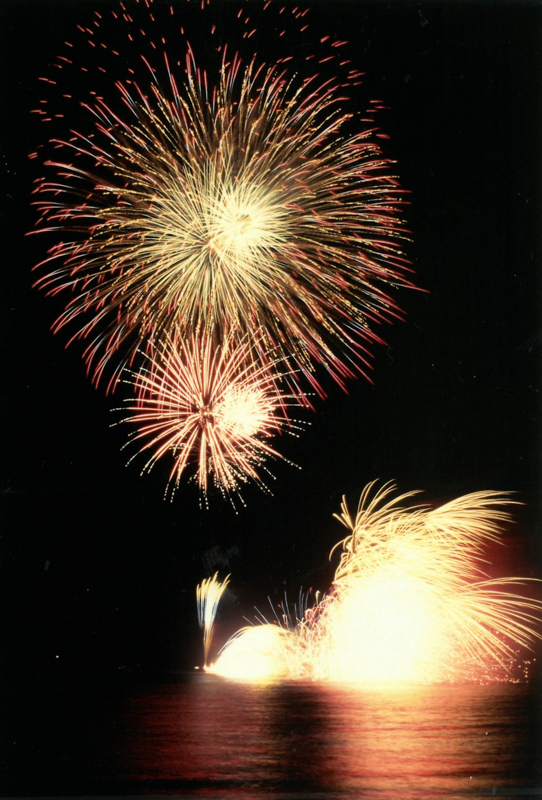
x: 231, y: 209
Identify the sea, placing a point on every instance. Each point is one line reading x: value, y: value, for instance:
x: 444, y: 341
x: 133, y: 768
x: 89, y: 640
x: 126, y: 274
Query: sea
x: 194, y: 735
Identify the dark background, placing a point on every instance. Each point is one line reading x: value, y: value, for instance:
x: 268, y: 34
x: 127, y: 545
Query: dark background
x: 99, y: 573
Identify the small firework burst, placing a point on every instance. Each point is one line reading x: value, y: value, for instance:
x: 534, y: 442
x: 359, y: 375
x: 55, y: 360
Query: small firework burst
x: 410, y: 602
x: 247, y: 206
x: 209, y: 593
x: 211, y: 409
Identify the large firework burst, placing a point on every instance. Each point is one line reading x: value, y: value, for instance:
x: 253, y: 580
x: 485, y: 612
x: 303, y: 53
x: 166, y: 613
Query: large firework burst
x: 410, y: 602
x: 229, y: 206
x: 210, y: 409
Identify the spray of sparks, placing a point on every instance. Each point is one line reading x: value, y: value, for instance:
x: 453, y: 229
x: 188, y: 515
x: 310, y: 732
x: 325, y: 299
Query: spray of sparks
x: 410, y: 602
x: 209, y: 593
x: 211, y: 409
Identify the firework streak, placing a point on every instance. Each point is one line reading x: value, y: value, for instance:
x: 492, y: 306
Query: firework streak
x: 209, y: 593
x: 216, y: 206
x: 409, y: 603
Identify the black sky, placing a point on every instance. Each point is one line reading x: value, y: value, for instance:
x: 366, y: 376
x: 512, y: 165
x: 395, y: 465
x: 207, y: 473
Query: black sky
x: 98, y: 569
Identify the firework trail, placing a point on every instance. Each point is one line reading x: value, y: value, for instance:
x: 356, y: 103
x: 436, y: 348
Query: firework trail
x: 208, y: 594
x: 220, y: 206
x: 211, y: 409
x: 410, y: 602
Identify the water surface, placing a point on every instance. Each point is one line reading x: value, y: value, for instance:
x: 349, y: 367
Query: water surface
x: 318, y: 738
x: 199, y: 735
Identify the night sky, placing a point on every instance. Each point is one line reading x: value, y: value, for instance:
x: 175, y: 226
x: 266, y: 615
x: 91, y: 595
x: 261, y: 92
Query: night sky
x: 99, y: 572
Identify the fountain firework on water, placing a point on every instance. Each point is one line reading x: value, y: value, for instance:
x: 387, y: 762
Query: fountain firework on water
x: 208, y: 595
x: 216, y: 205
x: 410, y: 602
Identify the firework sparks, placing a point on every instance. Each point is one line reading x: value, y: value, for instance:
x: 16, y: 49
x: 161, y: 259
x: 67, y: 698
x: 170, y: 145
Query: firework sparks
x: 210, y: 408
x: 258, y: 653
x: 209, y: 593
x: 239, y: 208
x: 410, y: 602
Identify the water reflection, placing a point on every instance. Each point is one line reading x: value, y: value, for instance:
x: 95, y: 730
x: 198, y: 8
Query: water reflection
x: 213, y: 733
x: 438, y: 740
x: 209, y: 735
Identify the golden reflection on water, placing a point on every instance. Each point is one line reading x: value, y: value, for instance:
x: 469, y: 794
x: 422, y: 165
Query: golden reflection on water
x: 311, y: 739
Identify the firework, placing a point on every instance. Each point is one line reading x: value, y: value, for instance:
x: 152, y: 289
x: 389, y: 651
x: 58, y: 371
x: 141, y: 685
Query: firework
x: 209, y: 408
x: 209, y: 593
x: 258, y: 653
x: 410, y: 601
x: 224, y: 206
